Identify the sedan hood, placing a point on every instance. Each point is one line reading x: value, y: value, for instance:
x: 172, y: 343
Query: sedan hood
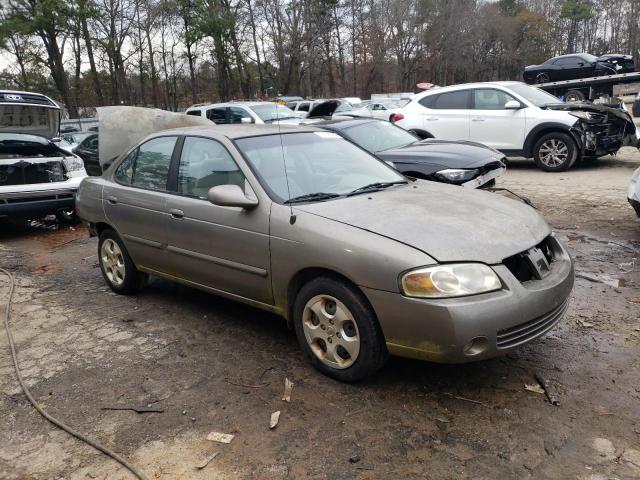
x: 448, y: 154
x: 448, y: 223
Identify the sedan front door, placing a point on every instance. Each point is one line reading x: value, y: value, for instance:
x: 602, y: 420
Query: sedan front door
x: 224, y: 248
x: 494, y: 125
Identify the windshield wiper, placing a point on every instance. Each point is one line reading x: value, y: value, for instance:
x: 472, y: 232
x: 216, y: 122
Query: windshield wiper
x: 375, y: 187
x: 311, y: 197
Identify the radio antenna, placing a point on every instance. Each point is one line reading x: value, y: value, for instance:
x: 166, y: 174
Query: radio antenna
x: 292, y: 217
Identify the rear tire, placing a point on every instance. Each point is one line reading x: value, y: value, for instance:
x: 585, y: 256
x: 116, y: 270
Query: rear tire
x: 116, y: 265
x: 555, y: 152
x: 338, y: 330
x: 574, y: 96
x: 67, y: 217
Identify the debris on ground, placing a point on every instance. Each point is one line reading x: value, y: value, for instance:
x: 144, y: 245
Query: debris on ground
x: 441, y: 423
x: 548, y: 390
x: 275, y: 416
x: 207, y: 460
x: 534, y: 387
x: 354, y: 459
x: 136, y: 409
x: 288, y: 386
x: 220, y: 437
x: 584, y: 324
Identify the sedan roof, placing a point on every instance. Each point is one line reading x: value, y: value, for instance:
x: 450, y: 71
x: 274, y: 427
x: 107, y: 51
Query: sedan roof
x: 237, y: 130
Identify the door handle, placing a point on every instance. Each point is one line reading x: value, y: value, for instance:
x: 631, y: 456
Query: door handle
x: 112, y: 200
x: 175, y: 213
x: 477, y: 119
x: 432, y: 119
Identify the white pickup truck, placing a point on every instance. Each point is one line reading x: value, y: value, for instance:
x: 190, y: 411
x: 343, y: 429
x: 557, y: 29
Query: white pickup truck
x: 37, y: 177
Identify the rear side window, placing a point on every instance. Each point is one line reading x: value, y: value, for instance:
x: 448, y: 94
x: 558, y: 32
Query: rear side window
x: 452, y: 101
x: 204, y: 164
x: 303, y: 107
x: 151, y: 167
x: 124, y: 173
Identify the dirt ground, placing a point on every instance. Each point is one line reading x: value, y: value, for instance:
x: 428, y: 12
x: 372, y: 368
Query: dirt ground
x: 213, y: 365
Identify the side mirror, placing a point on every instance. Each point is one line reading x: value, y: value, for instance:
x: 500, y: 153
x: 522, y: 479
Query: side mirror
x: 56, y: 139
x: 231, y: 196
x: 512, y: 105
x: 246, y: 120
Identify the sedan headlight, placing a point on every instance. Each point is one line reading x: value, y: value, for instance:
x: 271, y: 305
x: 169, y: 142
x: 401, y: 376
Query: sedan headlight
x: 453, y: 280
x: 457, y: 175
x: 589, y: 117
x: 72, y: 164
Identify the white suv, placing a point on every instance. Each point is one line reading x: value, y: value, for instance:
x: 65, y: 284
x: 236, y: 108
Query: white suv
x: 37, y: 177
x: 518, y: 120
x: 245, y: 112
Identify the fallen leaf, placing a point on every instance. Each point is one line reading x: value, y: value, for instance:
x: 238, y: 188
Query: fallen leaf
x: 275, y: 416
x: 535, y: 388
x: 288, y: 386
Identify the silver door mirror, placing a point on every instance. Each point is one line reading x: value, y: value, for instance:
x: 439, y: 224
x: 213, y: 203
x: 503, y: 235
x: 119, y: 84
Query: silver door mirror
x: 246, y: 120
x: 512, y: 105
x: 231, y: 196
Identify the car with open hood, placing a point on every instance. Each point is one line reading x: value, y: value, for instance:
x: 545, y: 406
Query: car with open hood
x: 360, y: 260
x: 37, y: 176
x: 520, y: 121
x: 578, y: 65
x: 460, y: 163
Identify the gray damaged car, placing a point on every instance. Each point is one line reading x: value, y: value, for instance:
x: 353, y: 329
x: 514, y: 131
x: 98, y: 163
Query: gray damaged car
x: 361, y: 261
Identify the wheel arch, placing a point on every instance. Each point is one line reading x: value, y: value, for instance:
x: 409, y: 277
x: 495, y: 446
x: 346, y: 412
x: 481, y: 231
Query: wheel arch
x: 544, y: 129
x: 305, y: 275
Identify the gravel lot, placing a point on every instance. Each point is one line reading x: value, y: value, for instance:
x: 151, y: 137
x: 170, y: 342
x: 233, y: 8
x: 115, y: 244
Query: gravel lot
x: 213, y: 365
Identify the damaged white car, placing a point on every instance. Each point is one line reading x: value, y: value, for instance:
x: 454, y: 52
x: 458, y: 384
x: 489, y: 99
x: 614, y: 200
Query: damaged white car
x: 37, y: 177
x: 634, y: 191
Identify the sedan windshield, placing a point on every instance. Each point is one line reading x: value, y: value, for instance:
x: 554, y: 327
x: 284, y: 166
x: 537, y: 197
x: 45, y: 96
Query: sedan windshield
x: 378, y: 136
x: 319, y: 166
x: 538, y: 97
x: 270, y: 112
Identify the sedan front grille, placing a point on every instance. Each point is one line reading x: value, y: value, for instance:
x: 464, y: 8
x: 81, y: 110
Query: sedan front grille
x: 513, y: 336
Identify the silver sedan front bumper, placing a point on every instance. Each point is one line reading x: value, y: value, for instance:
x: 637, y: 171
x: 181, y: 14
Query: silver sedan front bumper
x: 482, y: 326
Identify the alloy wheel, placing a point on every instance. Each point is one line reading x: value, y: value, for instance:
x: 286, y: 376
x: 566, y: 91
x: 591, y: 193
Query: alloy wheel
x: 542, y: 78
x: 553, y: 153
x: 331, y: 331
x: 112, y: 261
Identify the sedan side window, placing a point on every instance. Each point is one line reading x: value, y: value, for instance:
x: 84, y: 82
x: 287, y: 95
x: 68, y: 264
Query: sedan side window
x: 205, y: 163
x: 151, y: 168
x: 490, y: 99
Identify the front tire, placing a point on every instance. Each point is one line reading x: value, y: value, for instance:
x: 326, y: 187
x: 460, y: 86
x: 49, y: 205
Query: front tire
x: 116, y: 265
x: 543, y: 77
x: 555, y: 152
x: 338, y: 330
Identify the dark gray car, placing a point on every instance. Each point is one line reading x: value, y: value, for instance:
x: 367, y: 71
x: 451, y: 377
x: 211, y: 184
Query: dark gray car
x: 461, y: 163
x: 360, y: 260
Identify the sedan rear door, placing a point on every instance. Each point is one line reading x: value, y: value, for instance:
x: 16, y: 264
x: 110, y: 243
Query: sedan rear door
x: 135, y: 203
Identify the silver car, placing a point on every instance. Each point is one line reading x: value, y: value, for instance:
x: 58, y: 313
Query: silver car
x: 360, y: 260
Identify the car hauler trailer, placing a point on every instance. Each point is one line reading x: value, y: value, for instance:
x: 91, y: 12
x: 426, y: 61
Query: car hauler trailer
x: 593, y: 87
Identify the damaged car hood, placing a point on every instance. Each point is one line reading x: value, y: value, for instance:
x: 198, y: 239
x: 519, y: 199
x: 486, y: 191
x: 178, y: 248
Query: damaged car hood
x: 450, y: 224
x: 448, y: 154
x: 37, y: 120
x: 123, y: 127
